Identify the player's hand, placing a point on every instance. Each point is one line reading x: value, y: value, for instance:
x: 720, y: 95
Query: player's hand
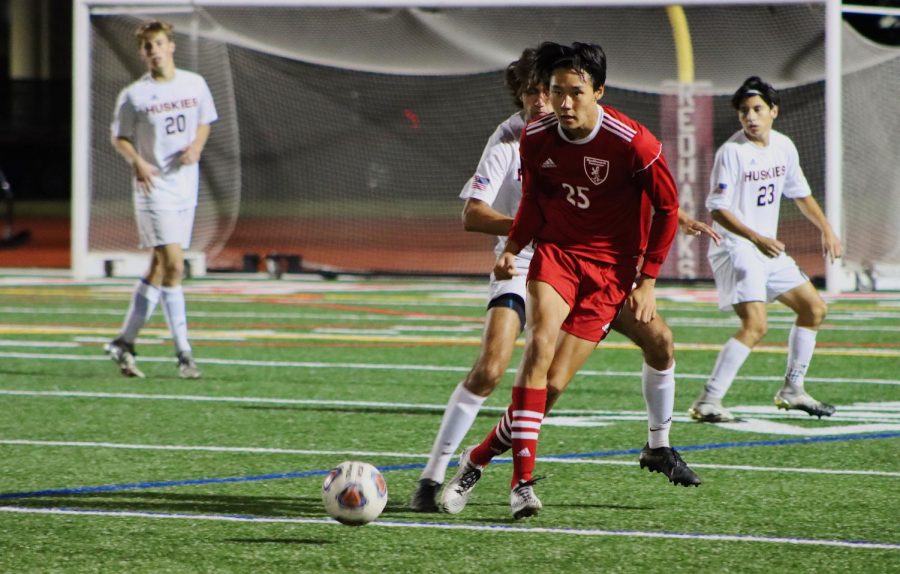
x: 642, y: 300
x: 505, y: 267
x: 189, y: 155
x: 768, y: 246
x: 694, y: 228
x: 831, y: 246
x: 144, y: 173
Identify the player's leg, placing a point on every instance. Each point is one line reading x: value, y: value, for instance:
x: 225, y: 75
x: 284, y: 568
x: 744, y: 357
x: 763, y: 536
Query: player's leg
x: 805, y: 301
x: 658, y: 387
x: 546, y: 312
x: 658, y: 372
x: 741, y: 281
x: 522, y: 413
x: 504, y: 321
x: 754, y: 324
x: 144, y: 298
x: 570, y: 354
x: 178, y: 226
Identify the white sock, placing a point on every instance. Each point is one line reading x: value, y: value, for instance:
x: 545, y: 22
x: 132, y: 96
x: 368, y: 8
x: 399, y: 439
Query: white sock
x: 176, y: 317
x: 801, y: 344
x: 462, y: 408
x: 729, y: 362
x: 659, y: 394
x: 143, y: 302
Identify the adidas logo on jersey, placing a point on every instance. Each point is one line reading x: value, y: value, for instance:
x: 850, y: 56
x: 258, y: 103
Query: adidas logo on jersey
x: 548, y: 163
x: 524, y: 453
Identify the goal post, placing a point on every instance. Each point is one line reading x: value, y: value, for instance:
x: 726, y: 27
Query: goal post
x: 347, y: 127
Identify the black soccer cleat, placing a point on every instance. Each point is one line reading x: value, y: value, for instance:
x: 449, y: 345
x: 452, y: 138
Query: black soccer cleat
x: 667, y: 461
x: 423, y: 499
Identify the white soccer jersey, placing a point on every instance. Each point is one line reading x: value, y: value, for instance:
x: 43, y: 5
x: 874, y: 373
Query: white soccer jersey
x: 160, y: 119
x: 498, y: 177
x: 749, y: 181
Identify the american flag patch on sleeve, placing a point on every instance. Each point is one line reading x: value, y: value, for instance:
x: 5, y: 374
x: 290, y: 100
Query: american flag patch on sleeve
x: 480, y: 183
x: 721, y: 187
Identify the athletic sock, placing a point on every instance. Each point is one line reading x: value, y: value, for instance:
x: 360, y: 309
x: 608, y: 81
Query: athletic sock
x: 659, y: 394
x: 462, y: 408
x: 728, y: 363
x: 527, y: 415
x: 143, y: 302
x: 498, y: 441
x: 801, y: 344
x: 176, y: 317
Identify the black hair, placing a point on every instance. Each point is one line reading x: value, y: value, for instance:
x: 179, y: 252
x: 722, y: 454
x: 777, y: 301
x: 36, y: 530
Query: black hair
x: 518, y: 76
x: 586, y: 58
x: 754, y: 86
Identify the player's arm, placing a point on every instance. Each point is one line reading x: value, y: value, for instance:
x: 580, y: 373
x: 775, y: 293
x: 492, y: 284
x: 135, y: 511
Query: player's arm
x: 192, y: 153
x: 525, y: 226
x: 831, y: 243
x: 659, y: 185
x: 529, y: 219
x: 478, y: 216
x: 144, y: 171
x: 768, y: 246
x: 692, y: 227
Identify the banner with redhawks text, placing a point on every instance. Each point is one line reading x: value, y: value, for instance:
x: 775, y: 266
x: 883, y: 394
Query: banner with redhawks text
x: 686, y: 132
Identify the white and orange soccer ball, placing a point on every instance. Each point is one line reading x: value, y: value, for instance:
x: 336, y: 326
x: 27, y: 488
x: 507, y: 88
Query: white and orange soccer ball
x: 354, y: 493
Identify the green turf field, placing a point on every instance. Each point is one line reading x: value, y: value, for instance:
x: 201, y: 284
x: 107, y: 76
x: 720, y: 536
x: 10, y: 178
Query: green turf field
x: 106, y: 474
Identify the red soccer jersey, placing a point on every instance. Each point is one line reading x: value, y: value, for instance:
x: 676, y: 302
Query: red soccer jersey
x: 593, y: 197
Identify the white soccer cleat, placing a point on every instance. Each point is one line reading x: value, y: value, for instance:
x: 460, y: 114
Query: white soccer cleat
x: 456, y: 494
x: 787, y: 399
x: 122, y: 354
x: 522, y: 500
x: 187, y: 368
x: 709, y: 412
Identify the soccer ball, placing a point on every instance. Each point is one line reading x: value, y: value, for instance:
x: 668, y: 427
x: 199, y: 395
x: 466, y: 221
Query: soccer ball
x: 354, y: 493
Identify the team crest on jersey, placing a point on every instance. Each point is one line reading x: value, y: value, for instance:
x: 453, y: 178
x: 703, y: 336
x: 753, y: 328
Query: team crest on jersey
x: 596, y: 169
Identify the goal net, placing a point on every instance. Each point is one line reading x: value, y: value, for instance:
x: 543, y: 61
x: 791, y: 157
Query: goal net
x: 346, y: 133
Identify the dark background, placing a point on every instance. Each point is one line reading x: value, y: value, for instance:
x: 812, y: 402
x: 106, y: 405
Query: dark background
x: 36, y: 102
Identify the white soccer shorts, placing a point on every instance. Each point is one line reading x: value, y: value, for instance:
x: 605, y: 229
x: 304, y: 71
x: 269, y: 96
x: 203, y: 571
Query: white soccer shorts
x: 746, y: 275
x: 515, y: 286
x: 163, y: 227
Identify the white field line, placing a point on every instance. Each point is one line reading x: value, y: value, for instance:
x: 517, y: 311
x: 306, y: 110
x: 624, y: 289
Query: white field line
x: 879, y: 419
x: 332, y: 316
x: 406, y: 367
x: 559, y: 417
x: 39, y: 344
x: 472, y: 527
x: 776, y: 322
x: 286, y: 335
x: 424, y: 456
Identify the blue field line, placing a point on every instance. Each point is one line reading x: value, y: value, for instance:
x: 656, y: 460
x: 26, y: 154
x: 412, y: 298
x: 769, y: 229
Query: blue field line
x: 412, y: 466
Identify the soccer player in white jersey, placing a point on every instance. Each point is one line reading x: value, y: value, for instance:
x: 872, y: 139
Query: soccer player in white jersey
x: 161, y: 125
x: 751, y: 172
x: 492, y: 197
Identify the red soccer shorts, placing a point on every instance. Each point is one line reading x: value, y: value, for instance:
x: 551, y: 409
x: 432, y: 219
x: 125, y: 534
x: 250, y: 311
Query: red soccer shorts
x: 595, y: 291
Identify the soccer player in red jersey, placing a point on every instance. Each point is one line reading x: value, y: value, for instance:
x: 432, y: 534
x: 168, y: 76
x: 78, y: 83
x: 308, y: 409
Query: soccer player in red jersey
x: 492, y: 198
x: 590, y: 178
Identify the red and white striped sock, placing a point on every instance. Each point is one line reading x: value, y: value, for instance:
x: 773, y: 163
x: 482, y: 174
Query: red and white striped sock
x: 498, y: 441
x: 527, y: 414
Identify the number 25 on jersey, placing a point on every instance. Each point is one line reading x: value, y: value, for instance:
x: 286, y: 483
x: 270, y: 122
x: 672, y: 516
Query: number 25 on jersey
x: 576, y: 196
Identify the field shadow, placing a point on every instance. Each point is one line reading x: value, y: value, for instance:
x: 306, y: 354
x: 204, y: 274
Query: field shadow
x: 308, y: 541
x: 170, y: 502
